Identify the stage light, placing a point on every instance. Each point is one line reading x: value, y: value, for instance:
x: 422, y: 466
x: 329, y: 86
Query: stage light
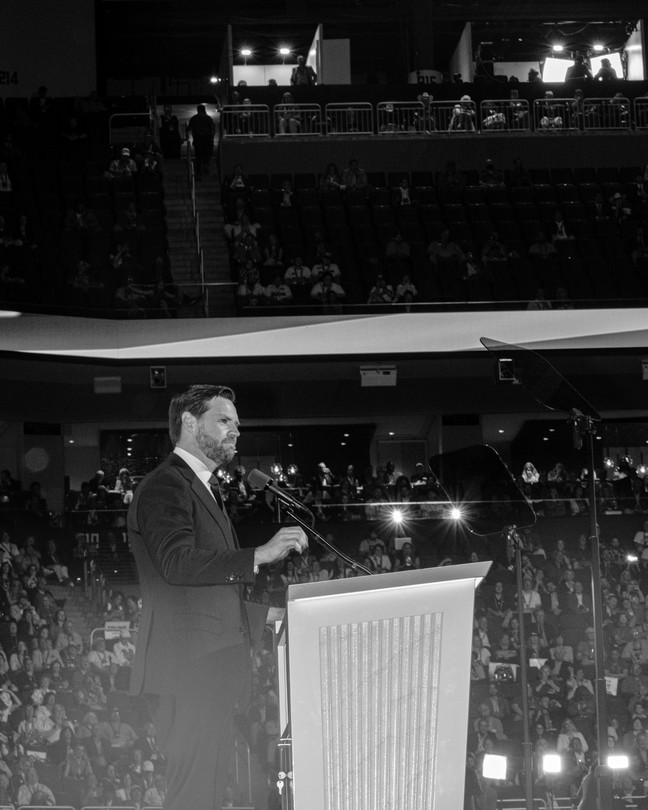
x: 598, y: 47
x: 618, y: 762
x: 494, y: 766
x: 551, y: 763
x: 246, y: 52
x: 293, y: 469
x: 557, y: 48
x: 455, y: 513
x: 607, y: 462
x: 632, y: 558
x: 276, y: 469
x: 284, y: 51
x: 397, y: 516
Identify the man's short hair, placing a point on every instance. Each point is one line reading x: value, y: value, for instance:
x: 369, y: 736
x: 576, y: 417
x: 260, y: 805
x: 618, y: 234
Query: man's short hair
x: 195, y: 400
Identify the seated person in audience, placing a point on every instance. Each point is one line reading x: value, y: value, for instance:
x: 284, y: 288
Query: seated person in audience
x: 130, y: 300
x: 599, y: 208
x: 327, y: 291
x: 331, y: 179
x: 273, y: 253
x: 444, y: 250
x: 407, y: 558
x: 563, y: 301
x: 519, y: 175
x: 451, y: 178
x: 490, y: 176
x: 621, y: 210
x: 121, y: 259
x: 130, y: 220
x: 122, y: 166
x: 298, y: 275
x: 551, y: 113
x: 119, y: 735
x: 278, y: 292
x: 462, y: 118
x: 494, y: 250
x: 541, y: 247
x: 406, y: 292
x: 147, y: 146
x: 250, y: 291
x: 559, y: 229
x: 398, y: 255
x: 403, y: 195
x: 326, y: 265
x: 354, y: 177
x: 381, y: 292
x: 638, y: 247
x: 288, y: 116
x: 238, y: 181
x: 34, y: 792
x: 6, y: 188
x: 287, y: 193
x: 81, y: 218
x: 320, y: 247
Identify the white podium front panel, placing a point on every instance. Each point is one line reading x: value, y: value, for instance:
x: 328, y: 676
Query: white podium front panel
x: 379, y: 671
x: 380, y: 686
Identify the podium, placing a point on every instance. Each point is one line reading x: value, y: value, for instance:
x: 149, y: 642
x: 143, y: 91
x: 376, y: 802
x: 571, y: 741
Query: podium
x: 374, y: 682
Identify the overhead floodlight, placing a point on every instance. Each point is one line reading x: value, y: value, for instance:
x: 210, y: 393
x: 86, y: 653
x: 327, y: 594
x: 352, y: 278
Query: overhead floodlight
x: 551, y: 763
x: 598, y: 47
x: 397, y: 516
x: 284, y: 51
x: 455, y: 513
x: 494, y: 766
x: 557, y: 48
x: 246, y: 52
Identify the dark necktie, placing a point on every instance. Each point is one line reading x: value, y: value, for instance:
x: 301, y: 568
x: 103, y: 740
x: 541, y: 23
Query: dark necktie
x: 214, y: 485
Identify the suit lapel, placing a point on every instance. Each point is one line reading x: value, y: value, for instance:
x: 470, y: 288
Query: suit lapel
x: 200, y: 490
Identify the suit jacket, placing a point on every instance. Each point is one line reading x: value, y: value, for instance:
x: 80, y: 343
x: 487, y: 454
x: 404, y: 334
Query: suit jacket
x: 191, y: 570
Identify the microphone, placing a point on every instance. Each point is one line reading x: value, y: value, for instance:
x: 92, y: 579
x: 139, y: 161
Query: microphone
x: 259, y: 480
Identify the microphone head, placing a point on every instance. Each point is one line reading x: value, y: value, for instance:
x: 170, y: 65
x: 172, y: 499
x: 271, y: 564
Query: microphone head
x: 259, y: 480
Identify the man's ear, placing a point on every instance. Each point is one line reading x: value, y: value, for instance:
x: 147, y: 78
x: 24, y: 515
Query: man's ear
x: 189, y: 422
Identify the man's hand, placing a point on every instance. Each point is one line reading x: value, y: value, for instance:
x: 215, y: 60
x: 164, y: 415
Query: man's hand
x: 290, y: 538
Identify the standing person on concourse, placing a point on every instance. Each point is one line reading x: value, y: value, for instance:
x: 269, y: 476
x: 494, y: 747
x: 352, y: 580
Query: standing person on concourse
x: 193, y: 653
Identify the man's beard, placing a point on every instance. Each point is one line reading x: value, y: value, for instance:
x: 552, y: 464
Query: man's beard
x: 215, y: 451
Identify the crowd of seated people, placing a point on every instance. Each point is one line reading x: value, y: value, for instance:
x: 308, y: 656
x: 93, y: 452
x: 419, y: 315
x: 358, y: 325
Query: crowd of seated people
x: 559, y: 236
x: 557, y: 609
x: 69, y: 733
x: 69, y: 203
x: 96, y: 750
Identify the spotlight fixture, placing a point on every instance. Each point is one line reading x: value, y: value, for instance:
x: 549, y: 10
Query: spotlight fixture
x: 284, y: 51
x: 214, y: 80
x: 551, y: 763
x: 557, y: 48
x: 455, y: 513
x: 598, y: 47
x: 246, y: 52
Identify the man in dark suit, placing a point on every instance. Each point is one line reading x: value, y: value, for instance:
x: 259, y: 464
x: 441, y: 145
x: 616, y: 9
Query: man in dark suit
x: 193, y: 650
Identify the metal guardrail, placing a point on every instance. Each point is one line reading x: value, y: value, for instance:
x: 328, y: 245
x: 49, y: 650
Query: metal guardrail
x: 245, y: 121
x: 399, y: 117
x: 298, y: 119
x: 505, y: 115
x: 552, y: 115
x: 355, y: 118
x: 640, y: 112
x: 545, y: 115
x: 607, y: 113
